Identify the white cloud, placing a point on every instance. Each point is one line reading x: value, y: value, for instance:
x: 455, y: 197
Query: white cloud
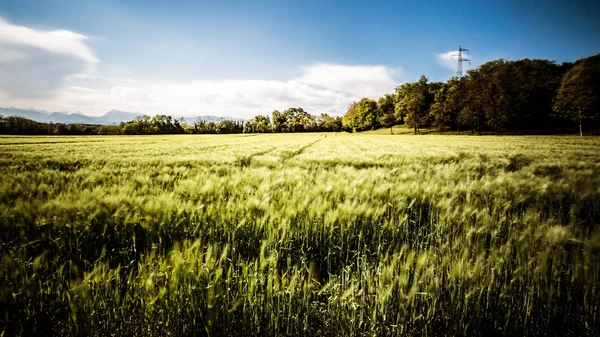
x: 321, y: 88
x: 357, y: 80
x: 57, y: 41
x: 11, y: 56
x: 50, y: 70
x: 446, y: 60
x: 34, y: 63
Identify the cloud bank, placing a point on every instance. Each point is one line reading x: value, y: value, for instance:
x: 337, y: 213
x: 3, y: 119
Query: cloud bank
x: 34, y: 63
x: 53, y: 70
x: 446, y: 61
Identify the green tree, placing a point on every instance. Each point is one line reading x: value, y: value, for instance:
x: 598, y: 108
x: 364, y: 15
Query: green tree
x: 258, y: 124
x: 227, y: 126
x: 455, y: 100
x: 578, y: 97
x: 297, y: 120
x: 349, y: 122
x: 533, y: 85
x: 110, y: 130
x: 414, y: 102
x: 278, y: 121
x: 399, y: 107
x: 511, y: 95
x: 204, y: 127
x: 309, y: 123
x: 366, y: 114
x: 386, y: 112
x: 472, y: 113
x: 439, y: 108
x: 329, y: 123
x: 361, y: 115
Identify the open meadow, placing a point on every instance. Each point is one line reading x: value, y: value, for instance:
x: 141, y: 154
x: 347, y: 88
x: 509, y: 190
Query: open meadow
x: 300, y: 234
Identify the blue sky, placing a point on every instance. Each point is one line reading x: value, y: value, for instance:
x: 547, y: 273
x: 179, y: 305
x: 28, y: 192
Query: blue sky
x: 244, y: 58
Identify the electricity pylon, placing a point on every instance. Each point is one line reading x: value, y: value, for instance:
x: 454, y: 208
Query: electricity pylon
x: 459, y: 71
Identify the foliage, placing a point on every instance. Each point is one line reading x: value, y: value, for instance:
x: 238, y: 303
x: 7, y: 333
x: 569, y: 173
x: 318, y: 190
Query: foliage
x: 349, y: 121
x: 146, y: 125
x: 258, y: 124
x: 364, y: 115
x: 578, y: 97
x: 279, y: 121
x: 23, y: 126
x: 386, y: 111
x: 414, y: 104
x: 328, y: 123
x: 498, y: 97
x: 439, y: 109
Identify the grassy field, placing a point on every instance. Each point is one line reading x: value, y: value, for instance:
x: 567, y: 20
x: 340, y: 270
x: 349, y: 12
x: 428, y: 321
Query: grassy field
x: 302, y: 234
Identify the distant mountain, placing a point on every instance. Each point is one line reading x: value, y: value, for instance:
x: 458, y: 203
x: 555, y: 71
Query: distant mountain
x: 61, y: 117
x: 111, y: 117
x: 116, y: 117
x: 36, y: 115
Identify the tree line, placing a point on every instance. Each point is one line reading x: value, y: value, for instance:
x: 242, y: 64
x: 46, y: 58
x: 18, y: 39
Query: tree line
x: 498, y: 97
x: 293, y: 120
x: 142, y: 125
x: 290, y: 120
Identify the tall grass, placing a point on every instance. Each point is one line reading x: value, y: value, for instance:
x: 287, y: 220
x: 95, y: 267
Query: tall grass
x: 353, y: 235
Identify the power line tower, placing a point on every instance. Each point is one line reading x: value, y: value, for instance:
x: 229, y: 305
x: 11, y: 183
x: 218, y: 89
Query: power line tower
x: 460, y: 58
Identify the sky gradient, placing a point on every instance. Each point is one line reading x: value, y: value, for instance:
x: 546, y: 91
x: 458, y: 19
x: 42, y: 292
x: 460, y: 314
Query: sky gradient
x: 240, y: 59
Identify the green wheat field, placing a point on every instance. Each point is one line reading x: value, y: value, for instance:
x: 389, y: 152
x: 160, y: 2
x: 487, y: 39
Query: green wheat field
x: 300, y: 235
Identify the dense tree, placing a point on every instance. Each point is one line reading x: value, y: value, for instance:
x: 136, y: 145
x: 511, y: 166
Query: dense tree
x: 348, y: 121
x: 298, y: 120
x: 386, y: 111
x: 495, y: 90
x: 164, y: 124
x: 504, y: 95
x: 455, y: 100
x: 578, y: 97
x: 22, y: 126
x: 309, y: 123
x: 278, y: 121
x: 204, y: 127
x: 146, y: 125
x: 439, y: 111
x: 534, y: 84
x: 472, y: 114
x: 328, y: 123
x: 399, y: 108
x: 110, y: 130
x: 498, y: 96
x: 362, y: 115
x: 142, y: 125
x: 414, y: 100
x: 366, y: 114
x: 258, y: 124
x: 227, y: 126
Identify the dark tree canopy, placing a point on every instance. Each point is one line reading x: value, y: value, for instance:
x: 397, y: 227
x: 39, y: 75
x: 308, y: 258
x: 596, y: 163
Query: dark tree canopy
x: 386, y: 111
x: 414, y: 102
x: 578, y: 97
x: 498, y: 97
x: 362, y: 115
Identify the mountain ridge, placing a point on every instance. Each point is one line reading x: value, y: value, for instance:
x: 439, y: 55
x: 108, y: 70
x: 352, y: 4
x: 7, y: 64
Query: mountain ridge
x: 109, y: 118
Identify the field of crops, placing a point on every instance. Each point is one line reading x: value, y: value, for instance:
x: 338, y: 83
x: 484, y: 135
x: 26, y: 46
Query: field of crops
x: 300, y: 234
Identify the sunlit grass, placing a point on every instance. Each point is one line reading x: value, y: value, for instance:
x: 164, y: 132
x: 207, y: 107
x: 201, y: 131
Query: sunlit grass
x: 304, y: 234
